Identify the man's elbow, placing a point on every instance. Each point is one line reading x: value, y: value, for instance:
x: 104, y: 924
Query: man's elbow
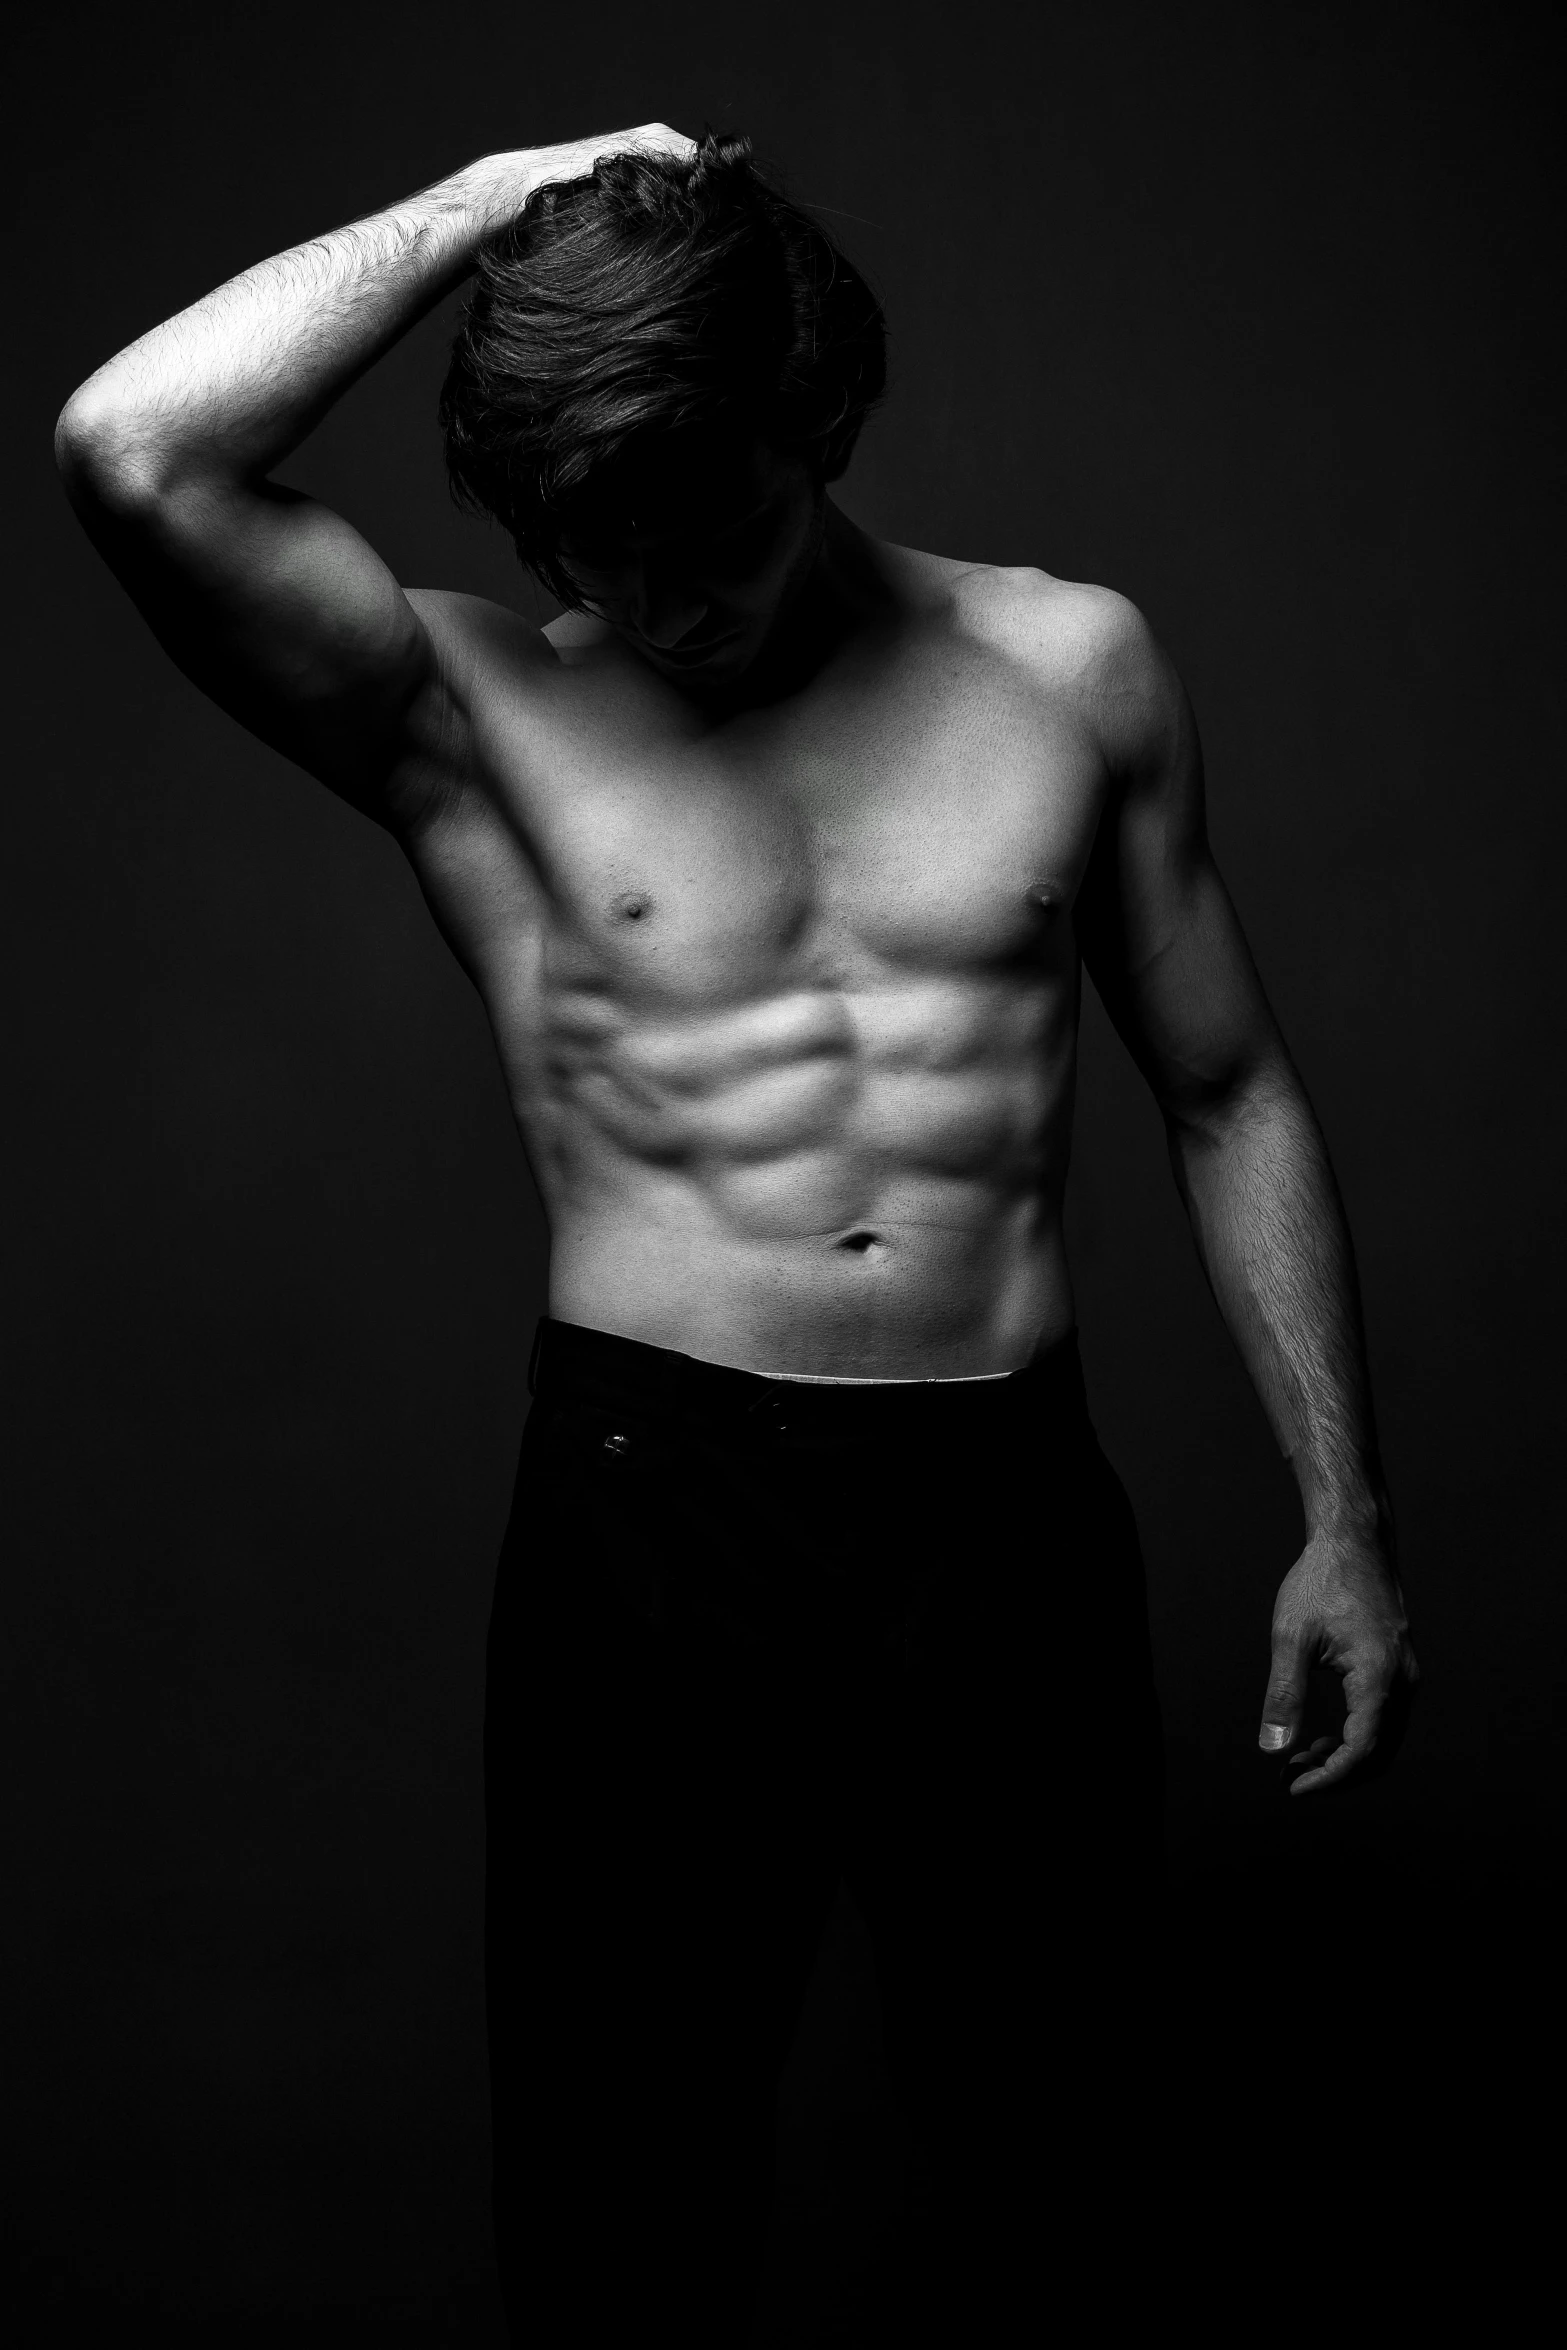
x: 1205, y: 1104
x: 107, y: 456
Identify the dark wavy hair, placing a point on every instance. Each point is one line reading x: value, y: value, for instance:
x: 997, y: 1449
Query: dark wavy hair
x: 655, y: 298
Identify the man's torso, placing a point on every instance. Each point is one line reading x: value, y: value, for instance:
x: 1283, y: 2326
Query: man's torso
x: 787, y: 1000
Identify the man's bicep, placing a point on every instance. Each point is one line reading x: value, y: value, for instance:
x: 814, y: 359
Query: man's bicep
x: 1160, y: 936
x: 277, y: 608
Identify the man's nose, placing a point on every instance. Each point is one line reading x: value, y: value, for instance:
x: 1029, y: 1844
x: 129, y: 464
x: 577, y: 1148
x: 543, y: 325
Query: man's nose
x: 666, y: 608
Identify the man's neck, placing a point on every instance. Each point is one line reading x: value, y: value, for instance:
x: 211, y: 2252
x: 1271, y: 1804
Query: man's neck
x: 842, y: 590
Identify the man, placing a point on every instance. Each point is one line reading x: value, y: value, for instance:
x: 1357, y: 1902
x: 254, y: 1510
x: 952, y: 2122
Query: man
x: 773, y: 860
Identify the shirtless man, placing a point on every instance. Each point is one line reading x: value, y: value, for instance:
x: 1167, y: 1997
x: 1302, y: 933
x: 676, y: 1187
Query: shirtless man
x: 773, y: 860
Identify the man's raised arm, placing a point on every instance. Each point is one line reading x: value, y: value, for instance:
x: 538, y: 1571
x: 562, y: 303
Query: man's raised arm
x: 269, y: 602
x: 1162, y: 942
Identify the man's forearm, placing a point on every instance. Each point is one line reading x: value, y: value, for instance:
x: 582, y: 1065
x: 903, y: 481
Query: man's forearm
x: 228, y: 387
x: 1271, y: 1233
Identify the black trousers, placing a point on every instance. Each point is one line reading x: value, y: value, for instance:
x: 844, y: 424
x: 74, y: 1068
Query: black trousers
x: 752, y: 1639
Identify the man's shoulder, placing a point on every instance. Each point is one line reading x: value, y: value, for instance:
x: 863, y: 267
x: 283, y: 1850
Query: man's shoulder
x: 1082, y: 649
x: 1067, y: 631
x: 472, y: 633
x: 484, y: 657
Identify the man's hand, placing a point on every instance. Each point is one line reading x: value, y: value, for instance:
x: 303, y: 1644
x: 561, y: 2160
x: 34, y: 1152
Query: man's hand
x: 1339, y: 1605
x: 575, y: 160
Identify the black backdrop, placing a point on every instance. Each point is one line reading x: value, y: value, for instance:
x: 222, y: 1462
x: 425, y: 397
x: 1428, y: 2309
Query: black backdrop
x: 1245, y: 311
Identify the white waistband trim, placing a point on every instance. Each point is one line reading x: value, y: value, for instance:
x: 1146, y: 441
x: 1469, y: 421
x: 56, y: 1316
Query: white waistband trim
x: 831, y: 1379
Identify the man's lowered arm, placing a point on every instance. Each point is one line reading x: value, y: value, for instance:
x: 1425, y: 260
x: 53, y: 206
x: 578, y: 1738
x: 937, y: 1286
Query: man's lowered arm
x: 1165, y: 949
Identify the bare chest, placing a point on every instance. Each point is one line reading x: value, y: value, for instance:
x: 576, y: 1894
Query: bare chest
x: 933, y: 820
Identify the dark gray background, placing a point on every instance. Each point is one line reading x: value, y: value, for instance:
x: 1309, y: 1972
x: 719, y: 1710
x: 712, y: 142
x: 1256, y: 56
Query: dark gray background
x: 1250, y: 313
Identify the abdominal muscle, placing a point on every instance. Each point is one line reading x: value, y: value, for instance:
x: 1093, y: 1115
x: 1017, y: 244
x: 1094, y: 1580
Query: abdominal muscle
x: 914, y: 1305
x: 862, y: 1195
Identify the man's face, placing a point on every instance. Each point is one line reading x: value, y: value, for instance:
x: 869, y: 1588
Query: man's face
x: 703, y: 560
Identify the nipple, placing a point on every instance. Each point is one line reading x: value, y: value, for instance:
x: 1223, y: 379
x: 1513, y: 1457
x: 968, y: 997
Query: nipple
x: 1045, y: 895
x: 631, y: 905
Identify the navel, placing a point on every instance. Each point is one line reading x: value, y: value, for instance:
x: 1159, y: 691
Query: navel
x: 858, y: 1242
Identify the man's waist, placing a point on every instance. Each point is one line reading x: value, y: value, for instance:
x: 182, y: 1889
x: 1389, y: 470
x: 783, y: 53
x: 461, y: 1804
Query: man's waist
x: 877, y: 1303
x: 572, y: 1362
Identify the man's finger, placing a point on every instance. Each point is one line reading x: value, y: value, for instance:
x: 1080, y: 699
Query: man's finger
x: 1285, y: 1703
x: 1359, y: 1740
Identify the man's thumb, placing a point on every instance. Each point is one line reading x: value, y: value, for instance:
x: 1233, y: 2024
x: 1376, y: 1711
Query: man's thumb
x: 1285, y: 1702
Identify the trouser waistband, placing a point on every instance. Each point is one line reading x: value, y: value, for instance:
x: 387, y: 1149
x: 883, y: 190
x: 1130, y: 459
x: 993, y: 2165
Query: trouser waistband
x: 570, y: 1358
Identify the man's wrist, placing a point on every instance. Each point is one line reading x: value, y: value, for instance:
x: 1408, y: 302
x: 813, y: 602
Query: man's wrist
x: 1359, y: 1513
x: 490, y: 192
x: 447, y: 222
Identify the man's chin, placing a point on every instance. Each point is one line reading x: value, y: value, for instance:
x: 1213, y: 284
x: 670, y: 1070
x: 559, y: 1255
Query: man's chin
x: 725, y: 659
